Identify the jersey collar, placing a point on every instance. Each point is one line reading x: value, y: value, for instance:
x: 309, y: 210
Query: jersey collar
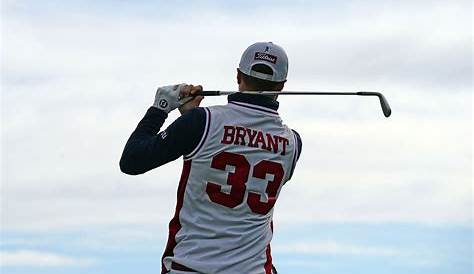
x: 259, y: 100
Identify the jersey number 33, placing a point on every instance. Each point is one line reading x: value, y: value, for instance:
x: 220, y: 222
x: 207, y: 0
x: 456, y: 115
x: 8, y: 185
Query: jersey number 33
x: 238, y: 179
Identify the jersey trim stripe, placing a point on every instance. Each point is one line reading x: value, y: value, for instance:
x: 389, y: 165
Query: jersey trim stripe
x: 269, y: 264
x: 254, y: 107
x: 175, y: 225
x: 204, y: 136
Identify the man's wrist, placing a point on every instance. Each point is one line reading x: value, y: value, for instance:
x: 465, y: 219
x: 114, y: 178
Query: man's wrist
x: 158, y: 113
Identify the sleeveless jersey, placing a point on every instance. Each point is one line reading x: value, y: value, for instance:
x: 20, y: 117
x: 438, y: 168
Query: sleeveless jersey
x: 228, y: 187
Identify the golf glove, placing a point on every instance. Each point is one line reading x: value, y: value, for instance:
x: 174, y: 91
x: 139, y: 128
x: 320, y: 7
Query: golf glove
x: 167, y: 97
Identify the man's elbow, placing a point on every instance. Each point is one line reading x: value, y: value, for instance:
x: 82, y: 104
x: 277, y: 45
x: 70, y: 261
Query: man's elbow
x: 127, y: 167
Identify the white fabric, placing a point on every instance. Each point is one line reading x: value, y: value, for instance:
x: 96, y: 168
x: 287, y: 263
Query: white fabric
x: 167, y: 97
x: 214, y: 238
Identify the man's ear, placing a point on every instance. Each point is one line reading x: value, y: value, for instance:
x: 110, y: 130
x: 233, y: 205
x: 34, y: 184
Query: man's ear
x: 239, y: 77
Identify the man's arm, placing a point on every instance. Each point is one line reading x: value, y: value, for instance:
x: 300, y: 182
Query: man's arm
x: 299, y: 147
x: 145, y: 149
x: 299, y: 144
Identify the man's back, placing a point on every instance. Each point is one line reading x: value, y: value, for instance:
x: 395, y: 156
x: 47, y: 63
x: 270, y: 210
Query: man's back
x: 228, y: 187
x: 236, y: 159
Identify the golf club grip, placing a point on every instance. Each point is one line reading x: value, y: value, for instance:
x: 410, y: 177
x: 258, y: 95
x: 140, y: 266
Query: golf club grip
x: 209, y: 93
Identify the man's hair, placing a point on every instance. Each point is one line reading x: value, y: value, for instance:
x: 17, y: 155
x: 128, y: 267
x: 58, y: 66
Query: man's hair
x: 260, y: 84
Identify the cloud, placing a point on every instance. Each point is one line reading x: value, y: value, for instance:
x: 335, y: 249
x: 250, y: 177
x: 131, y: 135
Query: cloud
x: 77, y: 76
x: 343, y: 45
x: 73, y: 91
x: 335, y: 248
x: 408, y: 257
x: 32, y: 258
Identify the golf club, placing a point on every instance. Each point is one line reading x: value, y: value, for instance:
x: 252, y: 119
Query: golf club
x: 383, y: 102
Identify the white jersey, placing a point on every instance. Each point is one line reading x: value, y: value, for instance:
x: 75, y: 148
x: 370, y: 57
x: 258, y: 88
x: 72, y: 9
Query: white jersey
x: 228, y: 187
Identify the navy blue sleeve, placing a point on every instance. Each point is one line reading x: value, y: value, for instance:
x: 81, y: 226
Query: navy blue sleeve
x: 146, y: 150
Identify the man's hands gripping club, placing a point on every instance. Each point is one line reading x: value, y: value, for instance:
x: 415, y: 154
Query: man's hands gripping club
x: 168, y: 98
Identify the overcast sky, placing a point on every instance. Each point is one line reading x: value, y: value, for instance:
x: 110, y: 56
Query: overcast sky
x: 370, y: 194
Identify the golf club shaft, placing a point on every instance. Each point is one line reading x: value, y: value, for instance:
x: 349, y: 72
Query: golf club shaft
x: 383, y: 102
x: 222, y: 92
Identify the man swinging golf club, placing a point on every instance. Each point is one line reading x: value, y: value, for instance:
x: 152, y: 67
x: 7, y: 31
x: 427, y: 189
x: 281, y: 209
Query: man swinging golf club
x: 237, y: 157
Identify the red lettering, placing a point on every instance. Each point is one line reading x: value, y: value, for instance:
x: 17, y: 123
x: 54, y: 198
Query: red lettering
x: 239, y: 136
x: 229, y: 132
x: 260, y: 139
x: 251, y: 137
x: 285, y: 142
x: 272, y: 142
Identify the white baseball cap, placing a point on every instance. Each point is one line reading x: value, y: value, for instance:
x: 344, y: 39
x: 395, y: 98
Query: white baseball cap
x: 268, y: 54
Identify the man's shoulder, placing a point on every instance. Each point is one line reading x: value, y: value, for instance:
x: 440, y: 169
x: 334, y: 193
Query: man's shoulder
x: 298, y: 136
x: 195, y: 114
x: 217, y: 111
x: 217, y: 107
x: 299, y: 143
x: 292, y: 131
x: 193, y: 121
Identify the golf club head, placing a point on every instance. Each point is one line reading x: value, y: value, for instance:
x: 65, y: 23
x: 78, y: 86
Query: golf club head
x: 387, y: 111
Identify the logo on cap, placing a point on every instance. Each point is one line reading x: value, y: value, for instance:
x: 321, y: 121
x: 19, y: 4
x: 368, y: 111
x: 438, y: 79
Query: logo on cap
x: 265, y: 57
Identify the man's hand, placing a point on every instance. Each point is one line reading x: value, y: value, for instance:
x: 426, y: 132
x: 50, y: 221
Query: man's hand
x: 187, y: 101
x: 167, y: 97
